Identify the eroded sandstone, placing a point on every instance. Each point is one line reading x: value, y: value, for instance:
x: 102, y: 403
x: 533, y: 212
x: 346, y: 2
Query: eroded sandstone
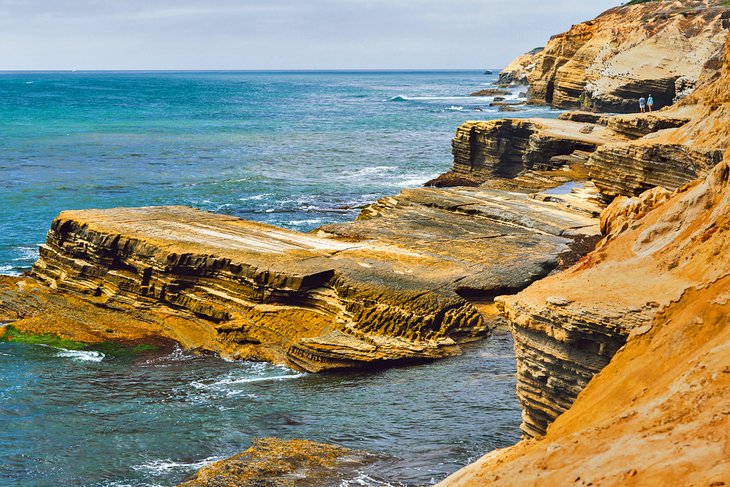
x: 393, y: 286
x: 686, y: 142
x: 657, y: 414
x: 606, y: 64
x: 505, y: 148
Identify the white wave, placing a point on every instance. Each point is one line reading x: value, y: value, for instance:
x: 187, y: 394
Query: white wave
x: 368, y: 172
x: 454, y: 108
x: 26, y: 253
x: 8, y: 270
x: 412, y: 180
x: 82, y: 355
x: 245, y: 380
x: 371, y: 170
x: 311, y: 221
x: 254, y: 197
x: 433, y: 98
x: 177, y: 355
x: 364, y: 479
x: 166, y: 465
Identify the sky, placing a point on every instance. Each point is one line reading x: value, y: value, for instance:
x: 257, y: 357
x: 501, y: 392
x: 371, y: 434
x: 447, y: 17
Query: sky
x: 279, y: 34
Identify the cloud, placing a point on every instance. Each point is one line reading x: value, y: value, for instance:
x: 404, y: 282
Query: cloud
x: 279, y: 34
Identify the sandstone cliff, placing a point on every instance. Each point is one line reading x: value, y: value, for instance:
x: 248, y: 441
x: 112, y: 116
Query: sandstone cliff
x: 657, y: 290
x: 492, y: 149
x: 659, y: 413
x: 687, y: 140
x: 606, y: 64
x: 516, y: 72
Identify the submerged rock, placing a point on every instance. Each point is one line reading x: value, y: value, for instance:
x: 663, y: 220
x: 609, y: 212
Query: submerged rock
x: 491, y: 92
x: 284, y: 463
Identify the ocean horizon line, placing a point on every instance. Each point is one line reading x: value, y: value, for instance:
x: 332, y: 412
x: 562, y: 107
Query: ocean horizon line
x: 354, y: 70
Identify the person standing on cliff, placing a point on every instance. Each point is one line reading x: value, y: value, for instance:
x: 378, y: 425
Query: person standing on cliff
x: 650, y: 102
x: 642, y: 104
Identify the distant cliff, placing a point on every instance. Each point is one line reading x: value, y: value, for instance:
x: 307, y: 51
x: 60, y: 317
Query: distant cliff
x: 606, y: 64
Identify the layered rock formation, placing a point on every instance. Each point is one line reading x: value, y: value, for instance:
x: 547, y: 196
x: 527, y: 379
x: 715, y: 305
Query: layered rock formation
x: 630, y: 169
x: 390, y: 287
x: 657, y: 289
x: 516, y: 72
x: 284, y: 463
x: 547, y: 390
x: 659, y: 413
x: 486, y: 150
x: 606, y: 64
x: 689, y: 140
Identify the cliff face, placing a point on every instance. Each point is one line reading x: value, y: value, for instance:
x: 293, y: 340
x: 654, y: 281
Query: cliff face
x: 505, y: 148
x: 606, y: 64
x: 545, y: 392
x: 657, y: 415
x: 691, y: 139
x: 516, y: 71
x: 657, y: 289
x: 568, y: 326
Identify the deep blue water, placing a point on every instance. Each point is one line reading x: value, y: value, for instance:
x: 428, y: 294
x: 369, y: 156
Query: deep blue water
x: 293, y: 149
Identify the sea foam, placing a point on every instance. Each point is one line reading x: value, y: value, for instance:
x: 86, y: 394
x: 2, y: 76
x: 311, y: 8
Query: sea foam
x: 82, y: 355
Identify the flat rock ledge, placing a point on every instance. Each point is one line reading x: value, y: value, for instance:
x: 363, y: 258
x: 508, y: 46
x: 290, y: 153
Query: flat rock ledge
x: 284, y: 463
x: 396, y: 285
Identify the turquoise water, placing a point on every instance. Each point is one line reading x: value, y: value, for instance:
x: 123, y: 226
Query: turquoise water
x: 293, y: 149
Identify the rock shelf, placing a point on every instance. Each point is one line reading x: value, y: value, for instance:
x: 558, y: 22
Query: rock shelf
x: 393, y: 286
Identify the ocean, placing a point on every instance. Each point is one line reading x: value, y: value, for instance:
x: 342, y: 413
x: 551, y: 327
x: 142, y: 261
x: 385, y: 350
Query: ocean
x: 293, y: 149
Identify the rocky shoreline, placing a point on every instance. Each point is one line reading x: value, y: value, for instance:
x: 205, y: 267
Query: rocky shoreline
x: 617, y: 351
x: 395, y: 285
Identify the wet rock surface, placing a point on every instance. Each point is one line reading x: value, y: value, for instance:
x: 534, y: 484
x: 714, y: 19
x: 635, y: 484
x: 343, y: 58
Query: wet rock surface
x: 284, y: 463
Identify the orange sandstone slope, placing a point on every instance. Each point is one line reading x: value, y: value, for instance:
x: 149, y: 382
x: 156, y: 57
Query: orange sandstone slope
x: 709, y: 109
x: 673, y: 156
x: 659, y: 413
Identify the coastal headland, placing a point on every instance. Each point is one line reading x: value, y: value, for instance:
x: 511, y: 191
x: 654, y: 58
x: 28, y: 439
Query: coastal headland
x: 601, y: 240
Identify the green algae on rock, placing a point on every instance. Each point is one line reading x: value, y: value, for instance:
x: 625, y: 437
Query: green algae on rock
x: 284, y: 463
x: 114, y: 349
